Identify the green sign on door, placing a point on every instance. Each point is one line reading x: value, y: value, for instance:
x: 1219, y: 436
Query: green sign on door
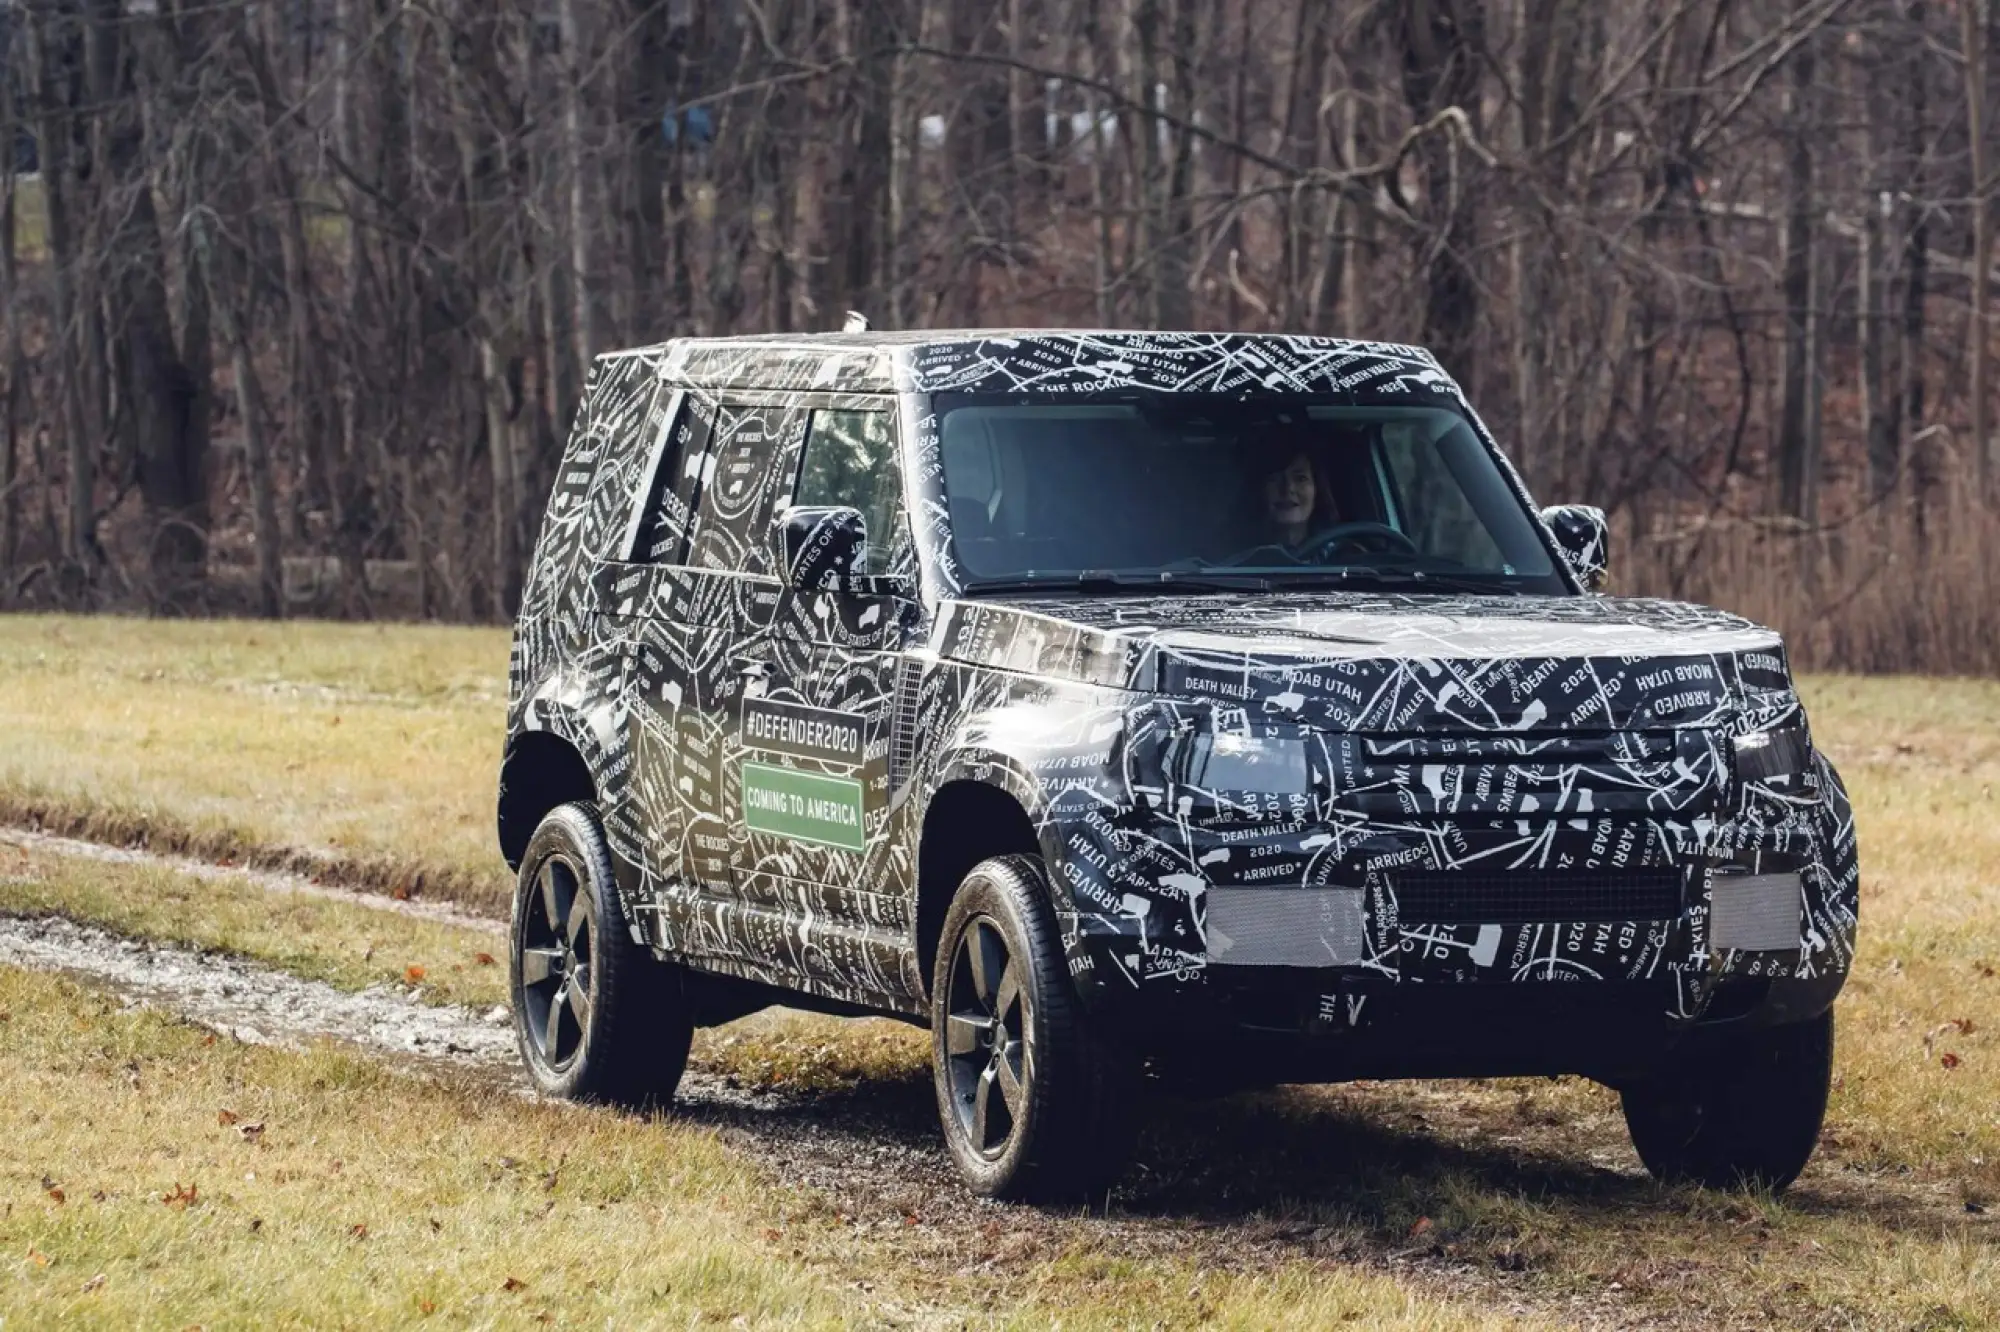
x: 804, y: 806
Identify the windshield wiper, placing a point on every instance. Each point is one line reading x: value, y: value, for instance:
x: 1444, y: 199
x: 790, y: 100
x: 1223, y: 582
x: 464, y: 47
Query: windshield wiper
x: 1111, y: 580
x: 1406, y: 577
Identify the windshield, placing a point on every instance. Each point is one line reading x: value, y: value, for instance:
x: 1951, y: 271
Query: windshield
x: 1182, y: 488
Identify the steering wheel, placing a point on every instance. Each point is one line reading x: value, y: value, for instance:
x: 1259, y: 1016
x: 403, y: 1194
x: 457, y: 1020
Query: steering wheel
x: 1315, y: 548
x: 1362, y: 533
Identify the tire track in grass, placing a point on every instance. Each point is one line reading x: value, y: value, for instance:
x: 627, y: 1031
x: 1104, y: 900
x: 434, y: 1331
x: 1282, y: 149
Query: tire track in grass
x: 271, y: 880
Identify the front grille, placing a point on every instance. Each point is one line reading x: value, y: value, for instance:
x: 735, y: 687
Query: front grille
x: 1532, y: 897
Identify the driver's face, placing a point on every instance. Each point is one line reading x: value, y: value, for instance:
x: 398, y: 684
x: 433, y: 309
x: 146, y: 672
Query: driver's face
x: 1288, y: 493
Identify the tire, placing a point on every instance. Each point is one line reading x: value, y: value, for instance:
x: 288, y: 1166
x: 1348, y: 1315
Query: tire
x: 1035, y: 1104
x: 1746, y: 1116
x: 597, y: 1017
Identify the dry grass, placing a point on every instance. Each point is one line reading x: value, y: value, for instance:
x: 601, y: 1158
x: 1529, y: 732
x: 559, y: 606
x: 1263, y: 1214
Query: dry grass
x: 1875, y: 591
x: 1894, y: 1225
x: 375, y: 1198
x: 368, y: 754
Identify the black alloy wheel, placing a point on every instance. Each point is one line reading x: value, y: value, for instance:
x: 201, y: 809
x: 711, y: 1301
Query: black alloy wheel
x: 596, y: 1015
x: 555, y: 963
x: 1034, y: 1100
x: 985, y: 1038
x: 1745, y: 1114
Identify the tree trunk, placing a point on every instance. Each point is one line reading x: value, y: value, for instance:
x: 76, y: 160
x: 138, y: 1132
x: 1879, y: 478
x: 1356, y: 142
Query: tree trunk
x: 1916, y: 260
x: 1798, y: 445
x: 166, y: 405
x: 1443, y: 44
x: 1973, y: 28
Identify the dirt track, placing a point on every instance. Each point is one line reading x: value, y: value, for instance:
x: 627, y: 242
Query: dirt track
x: 1308, y: 1175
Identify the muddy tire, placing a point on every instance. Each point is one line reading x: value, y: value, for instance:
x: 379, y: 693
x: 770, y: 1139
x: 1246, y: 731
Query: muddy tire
x: 1035, y: 1104
x: 597, y: 1017
x: 1745, y: 1116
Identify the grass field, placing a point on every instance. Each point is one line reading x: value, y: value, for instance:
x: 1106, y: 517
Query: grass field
x: 368, y: 753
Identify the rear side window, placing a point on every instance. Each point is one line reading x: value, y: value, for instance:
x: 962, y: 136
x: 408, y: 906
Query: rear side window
x: 668, y: 518
x: 732, y: 519
x: 850, y: 460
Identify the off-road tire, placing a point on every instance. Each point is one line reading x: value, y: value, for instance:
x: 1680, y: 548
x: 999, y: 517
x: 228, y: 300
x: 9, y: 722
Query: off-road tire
x: 1745, y: 1115
x: 1069, y: 1128
x: 630, y: 1045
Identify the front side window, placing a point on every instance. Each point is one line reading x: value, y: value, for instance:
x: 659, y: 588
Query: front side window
x: 1178, y: 487
x: 850, y: 461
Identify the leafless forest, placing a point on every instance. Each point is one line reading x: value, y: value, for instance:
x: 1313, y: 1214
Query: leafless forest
x: 299, y: 293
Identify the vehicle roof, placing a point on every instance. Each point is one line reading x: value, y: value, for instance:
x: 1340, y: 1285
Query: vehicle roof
x: 1030, y: 360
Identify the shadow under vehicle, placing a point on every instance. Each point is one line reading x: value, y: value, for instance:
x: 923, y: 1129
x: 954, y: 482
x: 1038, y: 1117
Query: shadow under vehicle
x: 1216, y: 703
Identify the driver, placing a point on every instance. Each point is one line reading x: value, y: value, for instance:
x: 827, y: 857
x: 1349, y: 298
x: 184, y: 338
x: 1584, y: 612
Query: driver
x: 1297, y: 503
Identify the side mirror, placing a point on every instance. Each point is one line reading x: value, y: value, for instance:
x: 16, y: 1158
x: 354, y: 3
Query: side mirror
x: 1584, y: 537
x: 824, y: 545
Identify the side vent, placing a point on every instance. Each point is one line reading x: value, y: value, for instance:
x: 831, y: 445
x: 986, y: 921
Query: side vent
x: 903, y: 722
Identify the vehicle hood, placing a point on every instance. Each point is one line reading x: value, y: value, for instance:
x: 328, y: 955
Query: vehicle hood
x: 1390, y: 663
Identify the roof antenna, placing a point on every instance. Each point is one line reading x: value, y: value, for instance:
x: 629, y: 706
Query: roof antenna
x: 856, y: 322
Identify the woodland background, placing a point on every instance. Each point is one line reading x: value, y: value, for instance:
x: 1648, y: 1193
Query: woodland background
x: 299, y: 293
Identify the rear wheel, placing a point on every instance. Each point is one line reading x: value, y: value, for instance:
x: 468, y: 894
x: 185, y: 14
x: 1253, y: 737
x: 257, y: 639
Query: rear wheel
x: 596, y: 1016
x: 1746, y: 1116
x: 1035, y: 1104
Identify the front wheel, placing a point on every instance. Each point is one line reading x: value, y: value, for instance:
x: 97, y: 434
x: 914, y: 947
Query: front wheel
x: 1747, y: 1116
x: 1035, y: 1104
x: 596, y: 1016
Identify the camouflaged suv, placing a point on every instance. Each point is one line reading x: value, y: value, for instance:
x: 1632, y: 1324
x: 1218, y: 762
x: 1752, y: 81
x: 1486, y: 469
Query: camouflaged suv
x: 1119, y: 706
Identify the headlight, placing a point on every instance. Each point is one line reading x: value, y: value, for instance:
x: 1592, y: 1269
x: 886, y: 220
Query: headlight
x: 1767, y: 756
x: 1269, y: 764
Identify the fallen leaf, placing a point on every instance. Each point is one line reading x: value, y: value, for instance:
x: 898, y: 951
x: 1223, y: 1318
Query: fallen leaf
x: 1423, y: 1223
x: 226, y: 1117
x: 359, y: 1230
x: 427, y: 1307
x: 37, y: 1257
x: 94, y: 1282
x: 208, y: 1039
x: 512, y: 1284
x: 412, y: 974
x: 483, y: 959
x: 1948, y: 1059
x: 183, y: 1196
x: 55, y: 1192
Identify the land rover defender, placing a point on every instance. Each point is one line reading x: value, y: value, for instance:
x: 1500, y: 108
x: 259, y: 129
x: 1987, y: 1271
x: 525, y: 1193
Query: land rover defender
x: 1126, y: 706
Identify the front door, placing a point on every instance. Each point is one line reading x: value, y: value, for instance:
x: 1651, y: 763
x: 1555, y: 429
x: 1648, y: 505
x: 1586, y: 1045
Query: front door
x: 817, y: 722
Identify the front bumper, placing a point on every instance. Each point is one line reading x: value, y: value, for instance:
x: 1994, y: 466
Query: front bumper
x: 1442, y: 947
